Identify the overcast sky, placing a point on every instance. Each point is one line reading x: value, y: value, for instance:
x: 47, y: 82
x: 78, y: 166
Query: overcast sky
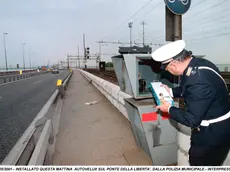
x: 54, y: 28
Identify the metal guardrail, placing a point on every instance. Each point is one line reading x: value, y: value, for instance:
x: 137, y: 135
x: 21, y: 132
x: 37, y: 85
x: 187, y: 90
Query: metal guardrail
x: 17, y: 77
x: 32, y: 147
x: 14, y: 72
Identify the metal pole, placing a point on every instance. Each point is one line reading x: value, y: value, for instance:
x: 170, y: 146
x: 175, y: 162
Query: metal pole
x: 84, y: 45
x: 143, y: 23
x: 23, y: 54
x: 33, y: 65
x: 177, y: 27
x: 78, y: 57
x: 30, y: 57
x: 130, y: 26
x: 177, y: 32
x: 99, y: 51
x: 5, y: 50
x: 177, y: 36
x: 67, y: 61
x: 84, y: 49
x: 143, y: 34
x: 130, y: 36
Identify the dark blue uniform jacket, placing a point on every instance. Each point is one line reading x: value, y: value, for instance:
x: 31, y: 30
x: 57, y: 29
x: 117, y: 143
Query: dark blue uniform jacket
x: 206, y: 97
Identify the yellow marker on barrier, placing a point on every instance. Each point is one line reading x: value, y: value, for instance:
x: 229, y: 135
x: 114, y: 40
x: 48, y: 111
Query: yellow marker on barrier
x: 59, y: 82
x: 20, y: 72
x: 70, y: 70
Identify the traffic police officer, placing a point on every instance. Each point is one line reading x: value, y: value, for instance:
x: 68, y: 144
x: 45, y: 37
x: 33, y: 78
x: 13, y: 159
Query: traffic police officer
x: 206, y: 99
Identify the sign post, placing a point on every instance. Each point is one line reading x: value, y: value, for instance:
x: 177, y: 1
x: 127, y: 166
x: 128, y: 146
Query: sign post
x: 173, y: 14
x: 174, y: 10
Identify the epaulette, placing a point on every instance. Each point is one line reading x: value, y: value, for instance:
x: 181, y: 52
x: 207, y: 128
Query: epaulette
x: 192, y: 71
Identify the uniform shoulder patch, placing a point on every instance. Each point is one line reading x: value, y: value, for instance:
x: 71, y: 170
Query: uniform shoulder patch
x: 189, y: 71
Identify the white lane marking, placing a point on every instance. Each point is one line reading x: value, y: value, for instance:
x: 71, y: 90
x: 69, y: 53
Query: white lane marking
x: 37, y: 82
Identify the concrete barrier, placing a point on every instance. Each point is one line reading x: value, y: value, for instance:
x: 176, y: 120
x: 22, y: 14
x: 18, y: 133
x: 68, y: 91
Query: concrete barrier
x: 183, y: 143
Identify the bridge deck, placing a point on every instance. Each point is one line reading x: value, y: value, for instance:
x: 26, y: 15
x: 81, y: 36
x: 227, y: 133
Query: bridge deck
x: 91, y: 134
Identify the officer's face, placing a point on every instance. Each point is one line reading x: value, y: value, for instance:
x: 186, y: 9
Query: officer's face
x: 175, y: 68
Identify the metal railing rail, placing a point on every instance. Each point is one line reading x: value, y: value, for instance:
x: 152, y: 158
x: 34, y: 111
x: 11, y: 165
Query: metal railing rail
x: 13, y: 78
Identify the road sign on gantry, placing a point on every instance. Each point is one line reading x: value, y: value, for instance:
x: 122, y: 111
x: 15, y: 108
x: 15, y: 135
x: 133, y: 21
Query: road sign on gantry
x: 178, y: 7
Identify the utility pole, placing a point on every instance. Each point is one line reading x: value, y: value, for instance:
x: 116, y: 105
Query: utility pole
x: 23, y: 54
x: 78, y: 57
x: 143, y: 23
x: 4, y: 34
x: 130, y: 26
x: 30, y: 57
x: 99, y: 55
x: 99, y: 51
x: 84, y: 50
x: 33, y: 61
x: 68, y: 62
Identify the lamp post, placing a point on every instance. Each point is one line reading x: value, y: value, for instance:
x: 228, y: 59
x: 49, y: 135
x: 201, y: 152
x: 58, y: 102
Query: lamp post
x: 4, y: 34
x: 30, y: 58
x: 130, y: 24
x: 23, y: 54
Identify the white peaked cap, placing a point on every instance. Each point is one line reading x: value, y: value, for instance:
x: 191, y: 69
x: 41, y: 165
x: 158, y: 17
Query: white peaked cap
x: 168, y: 51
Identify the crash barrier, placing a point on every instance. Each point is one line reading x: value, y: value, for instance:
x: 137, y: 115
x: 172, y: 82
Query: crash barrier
x: 36, y: 145
x: 17, y: 77
x: 110, y: 91
x: 14, y: 72
x: 116, y: 97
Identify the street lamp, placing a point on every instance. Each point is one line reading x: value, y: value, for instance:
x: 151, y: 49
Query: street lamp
x: 33, y: 61
x: 30, y: 58
x: 23, y: 54
x: 130, y: 24
x: 4, y: 34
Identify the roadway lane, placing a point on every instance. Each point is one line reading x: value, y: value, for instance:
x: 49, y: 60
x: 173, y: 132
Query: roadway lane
x: 19, y: 104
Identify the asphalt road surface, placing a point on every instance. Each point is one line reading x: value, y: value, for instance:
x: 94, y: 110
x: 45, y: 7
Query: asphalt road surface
x: 19, y: 104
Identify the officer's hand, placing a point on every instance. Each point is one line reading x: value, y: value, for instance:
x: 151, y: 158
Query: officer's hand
x: 164, y: 107
x: 166, y: 87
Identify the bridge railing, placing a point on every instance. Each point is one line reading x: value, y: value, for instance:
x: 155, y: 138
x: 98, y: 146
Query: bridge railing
x: 14, y: 72
x: 16, y: 77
